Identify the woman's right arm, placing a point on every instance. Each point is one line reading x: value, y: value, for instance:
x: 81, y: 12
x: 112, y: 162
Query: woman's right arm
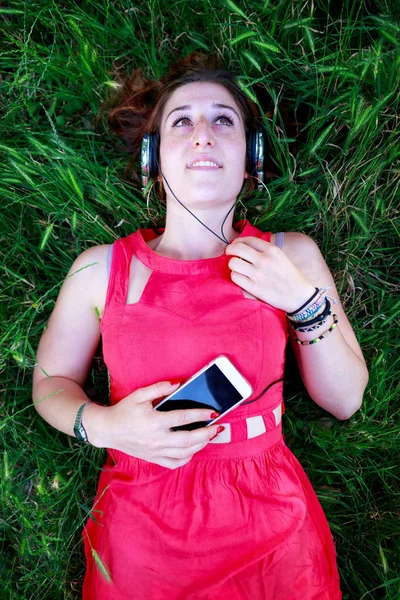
x: 68, y: 344
x: 64, y: 357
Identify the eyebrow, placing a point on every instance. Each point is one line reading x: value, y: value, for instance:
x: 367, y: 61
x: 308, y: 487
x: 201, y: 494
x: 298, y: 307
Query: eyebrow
x: 214, y: 105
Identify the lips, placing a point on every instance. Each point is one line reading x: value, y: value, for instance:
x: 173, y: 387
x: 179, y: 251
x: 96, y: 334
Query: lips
x: 204, y: 162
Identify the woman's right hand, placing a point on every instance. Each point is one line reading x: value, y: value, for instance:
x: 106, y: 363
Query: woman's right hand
x: 134, y: 427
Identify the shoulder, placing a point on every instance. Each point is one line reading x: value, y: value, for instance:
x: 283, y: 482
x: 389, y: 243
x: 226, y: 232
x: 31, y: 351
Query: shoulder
x: 88, y: 273
x: 299, y: 243
x: 95, y: 251
x: 304, y: 252
x: 93, y: 260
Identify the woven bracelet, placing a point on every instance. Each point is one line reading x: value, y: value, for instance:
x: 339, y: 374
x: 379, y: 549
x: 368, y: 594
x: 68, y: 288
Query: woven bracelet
x: 309, y: 312
x: 321, y: 337
x: 318, y: 319
x: 312, y: 307
x: 290, y: 314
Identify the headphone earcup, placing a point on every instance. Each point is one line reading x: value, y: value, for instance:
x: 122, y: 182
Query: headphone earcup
x: 149, y: 158
x: 250, y: 152
x: 255, y: 154
x: 153, y: 155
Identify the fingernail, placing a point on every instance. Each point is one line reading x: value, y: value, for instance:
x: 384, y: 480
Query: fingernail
x: 175, y: 381
x: 214, y: 415
x: 220, y: 428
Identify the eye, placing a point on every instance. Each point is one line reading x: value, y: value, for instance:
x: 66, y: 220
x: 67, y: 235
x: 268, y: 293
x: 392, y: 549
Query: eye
x: 228, y: 120
x: 181, y: 121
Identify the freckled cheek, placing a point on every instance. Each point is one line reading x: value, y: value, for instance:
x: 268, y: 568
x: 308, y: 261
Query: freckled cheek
x: 237, y: 140
x: 237, y: 143
x: 172, y: 143
x: 238, y: 153
x: 171, y: 152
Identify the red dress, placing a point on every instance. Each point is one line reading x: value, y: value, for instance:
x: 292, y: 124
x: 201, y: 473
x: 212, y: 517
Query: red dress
x: 240, y: 520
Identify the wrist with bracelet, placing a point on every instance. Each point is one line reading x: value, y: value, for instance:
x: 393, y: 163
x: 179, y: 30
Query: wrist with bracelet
x: 320, y: 337
x: 315, y: 320
x: 312, y: 315
x: 294, y: 312
x: 306, y: 327
x: 311, y: 310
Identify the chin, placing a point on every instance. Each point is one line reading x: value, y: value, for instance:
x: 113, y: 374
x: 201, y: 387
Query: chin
x: 207, y: 193
x: 208, y: 198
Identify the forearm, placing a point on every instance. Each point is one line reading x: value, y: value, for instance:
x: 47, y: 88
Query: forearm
x: 334, y: 376
x: 57, y: 400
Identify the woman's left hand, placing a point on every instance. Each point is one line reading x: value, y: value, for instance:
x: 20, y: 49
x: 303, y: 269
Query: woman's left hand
x: 264, y: 270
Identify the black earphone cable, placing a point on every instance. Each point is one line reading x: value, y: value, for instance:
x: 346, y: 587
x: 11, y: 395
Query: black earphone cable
x: 227, y: 242
x: 264, y: 391
x: 236, y: 201
x: 223, y: 239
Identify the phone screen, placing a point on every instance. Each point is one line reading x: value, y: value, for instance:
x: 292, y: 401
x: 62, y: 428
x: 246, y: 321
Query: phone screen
x: 211, y: 389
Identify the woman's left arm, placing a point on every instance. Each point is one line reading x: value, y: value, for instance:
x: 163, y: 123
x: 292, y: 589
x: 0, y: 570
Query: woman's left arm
x: 333, y: 370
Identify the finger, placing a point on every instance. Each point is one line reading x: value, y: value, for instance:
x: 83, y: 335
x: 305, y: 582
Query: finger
x: 175, y: 418
x: 187, y: 439
x: 184, y: 453
x: 244, y: 282
x: 253, y: 242
x: 155, y: 391
x: 244, y: 251
x: 242, y: 267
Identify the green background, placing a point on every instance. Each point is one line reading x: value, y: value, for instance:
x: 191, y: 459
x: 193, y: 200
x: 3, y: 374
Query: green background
x: 326, y: 76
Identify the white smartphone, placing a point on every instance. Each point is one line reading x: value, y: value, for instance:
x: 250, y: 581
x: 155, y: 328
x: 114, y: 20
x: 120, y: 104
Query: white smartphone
x: 218, y: 386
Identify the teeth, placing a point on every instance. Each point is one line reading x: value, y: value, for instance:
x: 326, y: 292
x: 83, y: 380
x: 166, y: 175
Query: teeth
x: 204, y: 163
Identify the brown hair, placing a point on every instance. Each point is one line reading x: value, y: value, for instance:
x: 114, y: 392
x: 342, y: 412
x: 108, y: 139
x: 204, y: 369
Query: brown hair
x: 139, y: 105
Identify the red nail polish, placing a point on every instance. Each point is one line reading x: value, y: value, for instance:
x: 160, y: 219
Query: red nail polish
x: 220, y: 428
x: 175, y: 381
x: 214, y: 415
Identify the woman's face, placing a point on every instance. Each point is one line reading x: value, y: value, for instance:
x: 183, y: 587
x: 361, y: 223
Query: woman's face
x: 203, y: 145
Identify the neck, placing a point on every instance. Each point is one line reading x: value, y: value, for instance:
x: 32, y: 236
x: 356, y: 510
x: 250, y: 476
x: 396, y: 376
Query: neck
x: 185, y: 238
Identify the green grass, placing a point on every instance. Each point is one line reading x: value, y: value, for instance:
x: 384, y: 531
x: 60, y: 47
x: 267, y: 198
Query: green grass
x: 327, y: 77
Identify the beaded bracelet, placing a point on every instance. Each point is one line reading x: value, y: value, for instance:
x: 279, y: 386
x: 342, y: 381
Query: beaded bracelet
x: 321, y: 337
x: 318, y: 319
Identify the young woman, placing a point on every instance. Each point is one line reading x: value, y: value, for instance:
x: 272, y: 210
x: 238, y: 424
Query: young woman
x: 225, y: 510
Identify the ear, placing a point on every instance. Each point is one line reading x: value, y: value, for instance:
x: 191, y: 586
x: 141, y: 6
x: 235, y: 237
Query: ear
x: 246, y: 175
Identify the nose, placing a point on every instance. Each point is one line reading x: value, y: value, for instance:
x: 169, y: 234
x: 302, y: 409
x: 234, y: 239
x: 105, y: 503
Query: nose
x: 202, y: 134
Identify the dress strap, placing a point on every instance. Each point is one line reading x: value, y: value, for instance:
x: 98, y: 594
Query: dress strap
x: 279, y: 239
x: 109, y: 258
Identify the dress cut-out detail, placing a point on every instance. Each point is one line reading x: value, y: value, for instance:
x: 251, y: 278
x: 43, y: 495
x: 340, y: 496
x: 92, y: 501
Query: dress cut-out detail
x: 139, y: 276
